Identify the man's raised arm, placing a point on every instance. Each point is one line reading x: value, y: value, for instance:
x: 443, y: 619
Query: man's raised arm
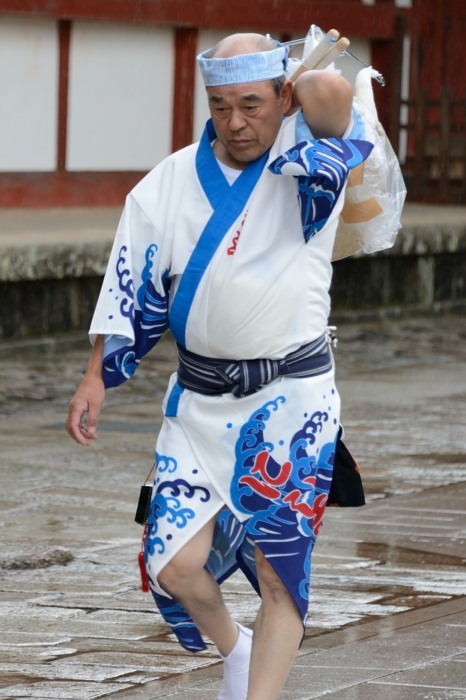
x: 326, y: 99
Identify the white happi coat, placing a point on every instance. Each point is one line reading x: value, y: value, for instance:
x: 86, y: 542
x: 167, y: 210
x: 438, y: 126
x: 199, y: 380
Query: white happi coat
x: 239, y: 272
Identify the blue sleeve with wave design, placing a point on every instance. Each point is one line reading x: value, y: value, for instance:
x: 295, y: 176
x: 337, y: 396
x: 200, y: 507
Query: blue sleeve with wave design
x: 132, y: 309
x: 321, y: 167
x: 148, y: 317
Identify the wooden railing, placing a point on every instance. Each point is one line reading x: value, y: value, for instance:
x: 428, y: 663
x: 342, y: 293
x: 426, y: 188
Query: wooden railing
x: 432, y: 148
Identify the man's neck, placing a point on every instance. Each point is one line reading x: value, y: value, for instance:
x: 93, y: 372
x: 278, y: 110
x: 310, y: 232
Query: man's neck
x: 224, y: 157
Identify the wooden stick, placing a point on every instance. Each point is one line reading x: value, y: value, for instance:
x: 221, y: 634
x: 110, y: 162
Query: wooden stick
x: 337, y: 49
x: 327, y: 54
x: 318, y: 53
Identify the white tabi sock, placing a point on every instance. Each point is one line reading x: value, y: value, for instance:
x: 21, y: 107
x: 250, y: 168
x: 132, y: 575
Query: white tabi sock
x: 236, y: 667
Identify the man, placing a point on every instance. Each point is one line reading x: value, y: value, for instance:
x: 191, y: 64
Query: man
x: 229, y: 244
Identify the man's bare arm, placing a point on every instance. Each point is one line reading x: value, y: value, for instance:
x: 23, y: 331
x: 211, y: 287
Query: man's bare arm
x: 84, y: 408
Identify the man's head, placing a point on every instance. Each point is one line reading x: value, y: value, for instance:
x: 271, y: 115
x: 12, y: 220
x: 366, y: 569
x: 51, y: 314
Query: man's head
x: 243, y: 58
x: 248, y: 95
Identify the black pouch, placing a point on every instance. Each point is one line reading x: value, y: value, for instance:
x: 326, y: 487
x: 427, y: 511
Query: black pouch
x: 346, y: 490
x: 142, y: 510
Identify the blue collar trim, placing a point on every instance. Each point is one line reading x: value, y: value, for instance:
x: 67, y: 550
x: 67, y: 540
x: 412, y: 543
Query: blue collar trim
x: 227, y: 203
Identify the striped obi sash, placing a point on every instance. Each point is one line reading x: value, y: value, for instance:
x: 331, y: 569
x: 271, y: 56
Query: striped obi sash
x: 207, y: 375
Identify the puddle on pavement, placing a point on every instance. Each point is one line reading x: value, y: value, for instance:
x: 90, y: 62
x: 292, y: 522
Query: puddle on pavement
x: 443, y: 458
x: 379, y: 580
x: 391, y: 554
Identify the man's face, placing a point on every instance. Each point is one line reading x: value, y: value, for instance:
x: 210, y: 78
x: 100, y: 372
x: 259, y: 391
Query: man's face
x: 247, y: 118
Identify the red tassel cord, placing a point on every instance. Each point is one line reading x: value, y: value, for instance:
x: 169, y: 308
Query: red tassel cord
x: 142, y: 565
x: 141, y: 562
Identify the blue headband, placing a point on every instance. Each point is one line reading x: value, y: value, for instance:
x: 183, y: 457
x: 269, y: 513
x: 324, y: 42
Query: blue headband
x: 245, y: 68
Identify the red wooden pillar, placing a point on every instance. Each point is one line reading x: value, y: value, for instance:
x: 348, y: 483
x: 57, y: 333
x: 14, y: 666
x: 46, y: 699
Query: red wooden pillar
x: 381, y: 59
x: 395, y: 86
x: 183, y: 89
x: 64, y: 31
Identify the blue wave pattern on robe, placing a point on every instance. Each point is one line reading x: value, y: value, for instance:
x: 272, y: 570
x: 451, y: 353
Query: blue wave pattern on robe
x: 169, y: 504
x: 286, y: 501
x: 321, y: 167
x: 180, y: 623
x: 173, y: 502
x: 147, y: 310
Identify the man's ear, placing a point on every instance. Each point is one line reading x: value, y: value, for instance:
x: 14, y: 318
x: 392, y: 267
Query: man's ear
x: 286, y: 96
x: 290, y: 101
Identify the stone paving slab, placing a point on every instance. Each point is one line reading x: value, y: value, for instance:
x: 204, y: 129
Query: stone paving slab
x: 61, y: 691
x: 379, y: 691
x: 405, y: 655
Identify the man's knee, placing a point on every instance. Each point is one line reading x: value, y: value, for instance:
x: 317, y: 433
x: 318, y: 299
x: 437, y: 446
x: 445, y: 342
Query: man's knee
x: 271, y: 586
x: 176, y: 576
x: 170, y: 577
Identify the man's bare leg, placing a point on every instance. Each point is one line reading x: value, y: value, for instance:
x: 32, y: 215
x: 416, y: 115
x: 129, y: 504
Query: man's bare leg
x: 277, y: 634
x: 186, y: 580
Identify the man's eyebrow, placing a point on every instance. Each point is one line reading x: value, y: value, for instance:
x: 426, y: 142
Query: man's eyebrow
x: 252, y: 97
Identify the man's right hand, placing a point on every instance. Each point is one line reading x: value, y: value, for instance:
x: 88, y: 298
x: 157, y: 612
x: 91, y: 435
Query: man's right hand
x: 85, y: 406
x: 84, y: 410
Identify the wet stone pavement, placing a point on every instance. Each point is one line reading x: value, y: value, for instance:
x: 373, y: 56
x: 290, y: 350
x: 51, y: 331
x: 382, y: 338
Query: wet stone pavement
x: 387, y: 614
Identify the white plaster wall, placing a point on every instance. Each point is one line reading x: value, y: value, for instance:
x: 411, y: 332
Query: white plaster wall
x: 120, y: 96
x: 28, y: 94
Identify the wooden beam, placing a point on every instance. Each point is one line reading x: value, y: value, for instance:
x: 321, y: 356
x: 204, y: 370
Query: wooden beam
x: 280, y: 16
x: 64, y: 28
x: 66, y: 189
x: 183, y: 87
